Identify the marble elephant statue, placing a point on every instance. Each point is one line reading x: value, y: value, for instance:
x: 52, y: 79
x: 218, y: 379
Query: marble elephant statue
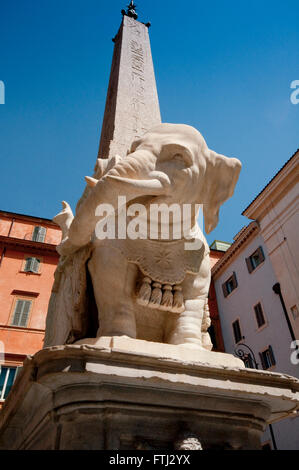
x: 151, y: 285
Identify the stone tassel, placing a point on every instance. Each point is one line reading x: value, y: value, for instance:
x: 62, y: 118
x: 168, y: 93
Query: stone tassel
x: 145, y: 291
x: 156, y: 296
x: 167, y: 299
x: 178, y: 300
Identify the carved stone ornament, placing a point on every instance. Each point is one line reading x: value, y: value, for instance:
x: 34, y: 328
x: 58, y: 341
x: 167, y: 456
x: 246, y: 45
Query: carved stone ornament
x: 188, y: 441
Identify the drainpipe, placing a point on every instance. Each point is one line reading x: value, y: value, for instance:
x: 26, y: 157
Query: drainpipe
x: 2, y: 255
x: 10, y: 228
x: 4, y: 249
x: 277, y: 289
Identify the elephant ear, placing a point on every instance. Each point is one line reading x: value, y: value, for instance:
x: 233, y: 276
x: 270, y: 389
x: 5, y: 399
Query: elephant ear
x: 221, y: 177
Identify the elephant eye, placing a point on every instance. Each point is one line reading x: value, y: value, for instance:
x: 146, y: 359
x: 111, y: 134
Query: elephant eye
x: 179, y: 161
x: 178, y: 157
x: 182, y: 160
x: 177, y: 154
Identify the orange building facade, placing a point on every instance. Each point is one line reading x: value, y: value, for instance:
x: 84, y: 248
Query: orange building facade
x: 28, y: 259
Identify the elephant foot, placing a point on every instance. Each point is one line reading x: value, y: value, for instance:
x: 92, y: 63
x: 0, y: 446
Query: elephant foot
x: 101, y: 341
x: 198, y: 347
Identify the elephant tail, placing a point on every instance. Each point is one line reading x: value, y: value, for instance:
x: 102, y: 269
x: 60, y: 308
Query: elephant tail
x: 64, y: 219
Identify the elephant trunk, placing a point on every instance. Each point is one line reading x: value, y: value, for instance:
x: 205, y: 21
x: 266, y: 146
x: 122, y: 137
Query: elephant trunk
x: 132, y: 177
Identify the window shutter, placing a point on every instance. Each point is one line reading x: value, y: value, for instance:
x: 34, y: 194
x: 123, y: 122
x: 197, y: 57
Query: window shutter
x: 35, y: 234
x: 32, y: 265
x: 261, y: 254
x: 225, y: 291
x: 237, y: 331
x: 259, y: 314
x: 272, y: 356
x: 262, y: 361
x: 26, y: 308
x: 17, y: 313
x: 249, y: 265
x: 35, y: 265
x: 21, y: 312
x: 39, y: 234
x: 10, y: 380
x: 28, y: 264
x: 42, y: 234
x: 235, y: 282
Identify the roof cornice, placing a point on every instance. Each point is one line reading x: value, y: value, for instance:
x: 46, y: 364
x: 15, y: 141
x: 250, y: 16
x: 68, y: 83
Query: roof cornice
x: 243, y: 238
x: 28, y: 245
x: 256, y: 206
x: 30, y: 218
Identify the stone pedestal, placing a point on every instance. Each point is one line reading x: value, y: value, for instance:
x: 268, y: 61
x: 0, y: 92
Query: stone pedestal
x: 112, y: 396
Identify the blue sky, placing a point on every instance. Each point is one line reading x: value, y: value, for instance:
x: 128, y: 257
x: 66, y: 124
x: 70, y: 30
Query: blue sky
x: 224, y: 67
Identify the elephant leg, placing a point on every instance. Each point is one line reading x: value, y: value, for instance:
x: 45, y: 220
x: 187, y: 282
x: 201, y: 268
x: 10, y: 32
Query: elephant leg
x: 187, y: 327
x: 114, y: 282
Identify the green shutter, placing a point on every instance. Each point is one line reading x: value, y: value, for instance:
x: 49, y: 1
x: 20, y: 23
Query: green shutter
x: 224, y: 288
x: 32, y: 265
x: 35, y: 267
x: 21, y: 312
x: 272, y: 356
x: 35, y: 234
x: 262, y: 361
x: 235, y: 282
x: 28, y: 264
x: 237, y: 331
x: 17, y: 313
x: 261, y: 254
x: 249, y: 265
x: 39, y: 234
x: 25, y: 313
x: 259, y: 314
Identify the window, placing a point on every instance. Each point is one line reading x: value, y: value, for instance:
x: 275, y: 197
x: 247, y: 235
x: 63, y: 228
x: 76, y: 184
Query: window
x: 39, y: 234
x: 21, y: 312
x: 248, y: 361
x: 237, y: 331
x: 255, y: 259
x: 230, y: 285
x: 259, y: 315
x: 267, y: 358
x: 7, y: 377
x: 32, y: 265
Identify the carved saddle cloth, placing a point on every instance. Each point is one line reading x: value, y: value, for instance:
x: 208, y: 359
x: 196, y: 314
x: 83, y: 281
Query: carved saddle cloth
x: 164, y: 265
x: 166, y: 262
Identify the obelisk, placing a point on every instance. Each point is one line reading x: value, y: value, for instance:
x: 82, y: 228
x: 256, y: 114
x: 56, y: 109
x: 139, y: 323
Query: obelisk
x: 132, y: 105
x: 122, y: 393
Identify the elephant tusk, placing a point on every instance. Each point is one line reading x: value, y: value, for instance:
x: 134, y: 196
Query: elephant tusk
x: 152, y: 186
x: 91, y: 181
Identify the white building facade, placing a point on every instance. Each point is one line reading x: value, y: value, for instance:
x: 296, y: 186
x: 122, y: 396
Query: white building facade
x: 276, y: 208
x: 251, y: 313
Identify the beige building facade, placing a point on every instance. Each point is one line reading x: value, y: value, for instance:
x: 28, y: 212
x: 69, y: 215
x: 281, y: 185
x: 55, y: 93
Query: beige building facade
x: 276, y: 209
x: 256, y: 284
